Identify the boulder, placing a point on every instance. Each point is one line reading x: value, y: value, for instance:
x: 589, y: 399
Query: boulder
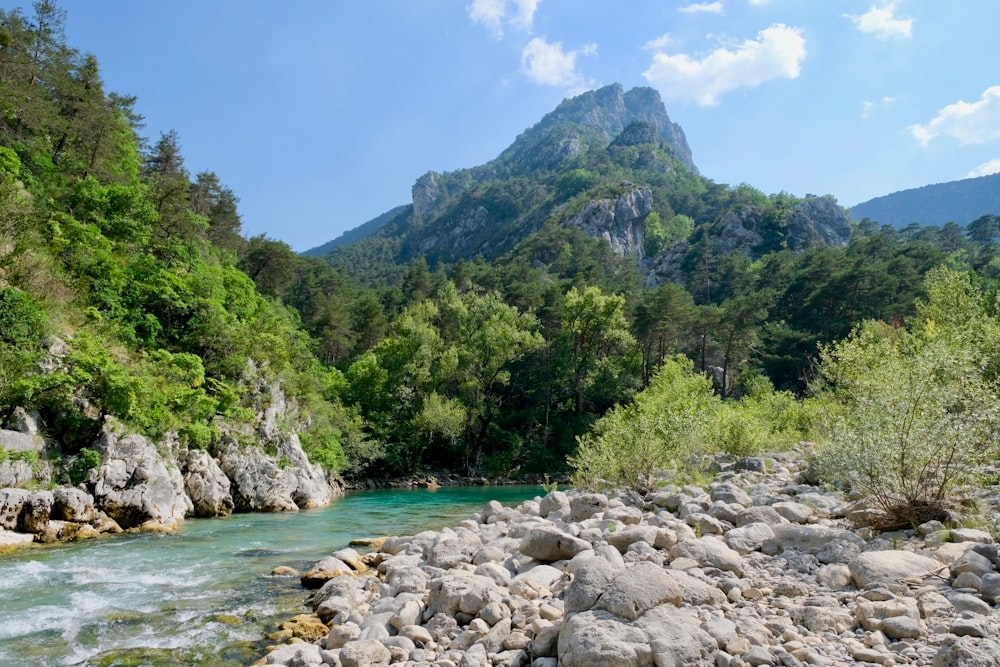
x: 364, y: 653
x: 730, y: 494
x: 451, y: 551
x: 36, y: 512
x: 600, y: 639
x: 793, y: 512
x: 969, y: 652
x: 11, y: 503
x: 72, y: 504
x: 461, y: 592
x: 811, y: 538
x: 763, y: 514
x: 554, y: 502
x: 585, y: 505
x: 550, y: 544
x: 638, y: 589
x: 709, y: 551
x: 135, y: 485
x: 324, y: 571
x: 591, y: 577
x: 623, y: 538
x: 891, y: 567
x: 696, y: 592
x: 750, y: 537
x: 300, y: 654
x: 675, y: 638
x: 206, y: 485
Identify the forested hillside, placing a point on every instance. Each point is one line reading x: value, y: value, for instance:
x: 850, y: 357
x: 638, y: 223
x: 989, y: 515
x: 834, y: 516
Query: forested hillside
x: 483, y: 328
x: 120, y: 292
x: 961, y: 202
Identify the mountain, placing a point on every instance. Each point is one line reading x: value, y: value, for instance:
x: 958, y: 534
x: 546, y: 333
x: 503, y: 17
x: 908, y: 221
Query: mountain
x: 356, y: 234
x: 609, y: 162
x: 956, y: 201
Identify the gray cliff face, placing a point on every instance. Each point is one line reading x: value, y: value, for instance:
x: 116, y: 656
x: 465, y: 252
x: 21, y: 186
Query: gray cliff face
x: 258, y: 483
x: 206, y: 485
x: 135, y: 484
x: 459, y: 234
x: 605, y: 112
x: 426, y: 194
x: 618, y: 221
x: 283, y: 482
x: 813, y: 222
x: 817, y: 221
x: 737, y: 229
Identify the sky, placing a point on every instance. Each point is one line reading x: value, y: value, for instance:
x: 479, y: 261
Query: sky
x: 321, y: 114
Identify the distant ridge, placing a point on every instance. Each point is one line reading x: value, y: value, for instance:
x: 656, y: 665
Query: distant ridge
x: 960, y: 202
x: 357, y: 233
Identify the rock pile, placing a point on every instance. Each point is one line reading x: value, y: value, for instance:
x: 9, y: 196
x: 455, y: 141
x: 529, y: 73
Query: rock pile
x: 756, y: 569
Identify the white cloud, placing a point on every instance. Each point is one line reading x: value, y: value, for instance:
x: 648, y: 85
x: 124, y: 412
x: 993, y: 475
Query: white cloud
x: 777, y: 53
x: 759, y: 2
x: 657, y: 43
x: 702, y: 8
x: 986, y: 168
x: 495, y: 14
x: 867, y: 106
x: 882, y: 22
x: 550, y: 65
x: 969, y: 122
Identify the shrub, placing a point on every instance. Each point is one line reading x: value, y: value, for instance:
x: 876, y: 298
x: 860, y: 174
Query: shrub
x: 632, y: 444
x: 22, y: 320
x: 84, y: 462
x: 907, y: 418
x: 736, y: 430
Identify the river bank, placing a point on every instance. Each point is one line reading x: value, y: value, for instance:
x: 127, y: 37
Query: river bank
x: 203, y: 595
x: 753, y: 568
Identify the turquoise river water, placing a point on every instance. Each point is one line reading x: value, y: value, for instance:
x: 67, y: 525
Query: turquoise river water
x: 204, y: 595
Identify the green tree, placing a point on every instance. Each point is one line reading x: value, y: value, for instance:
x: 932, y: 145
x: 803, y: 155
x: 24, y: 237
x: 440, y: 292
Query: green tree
x: 911, y: 413
x: 490, y: 337
x: 634, y: 444
x: 595, y: 341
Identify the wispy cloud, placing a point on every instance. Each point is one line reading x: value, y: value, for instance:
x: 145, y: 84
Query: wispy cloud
x: 777, y: 53
x: 867, y: 106
x: 702, y: 8
x: 969, y: 122
x: 550, y: 65
x: 495, y: 15
x: 986, y: 168
x: 657, y: 43
x: 882, y: 22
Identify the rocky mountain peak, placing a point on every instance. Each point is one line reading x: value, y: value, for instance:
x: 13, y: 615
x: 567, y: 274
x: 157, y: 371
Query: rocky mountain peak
x: 604, y: 114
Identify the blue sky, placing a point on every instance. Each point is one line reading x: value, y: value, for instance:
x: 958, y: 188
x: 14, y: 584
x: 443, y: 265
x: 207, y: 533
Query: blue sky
x: 320, y: 114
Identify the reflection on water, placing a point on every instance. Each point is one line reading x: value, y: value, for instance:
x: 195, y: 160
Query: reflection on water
x: 202, y: 596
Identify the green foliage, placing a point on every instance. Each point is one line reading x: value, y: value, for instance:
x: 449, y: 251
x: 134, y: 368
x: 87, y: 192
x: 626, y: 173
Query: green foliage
x: 86, y: 460
x: 910, y: 413
x: 632, y: 445
x: 22, y: 319
x: 10, y: 163
x: 739, y: 431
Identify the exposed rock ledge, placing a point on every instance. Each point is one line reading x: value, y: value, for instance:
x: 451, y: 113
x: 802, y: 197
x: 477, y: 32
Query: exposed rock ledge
x: 138, y: 487
x: 755, y: 569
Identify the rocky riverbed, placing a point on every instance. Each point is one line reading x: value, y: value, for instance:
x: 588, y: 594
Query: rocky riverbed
x: 753, y: 568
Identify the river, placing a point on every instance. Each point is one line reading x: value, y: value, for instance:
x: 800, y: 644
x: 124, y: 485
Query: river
x: 204, y: 595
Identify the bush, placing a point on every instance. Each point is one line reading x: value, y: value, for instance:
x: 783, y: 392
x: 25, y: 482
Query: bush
x: 738, y: 431
x: 84, y: 462
x: 632, y: 444
x: 908, y: 416
x: 22, y: 320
